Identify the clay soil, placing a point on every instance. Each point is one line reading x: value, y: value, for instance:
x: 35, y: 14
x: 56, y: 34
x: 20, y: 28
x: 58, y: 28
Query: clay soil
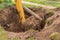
x: 32, y: 27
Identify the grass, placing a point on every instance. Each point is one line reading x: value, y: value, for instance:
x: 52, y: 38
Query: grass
x: 30, y: 6
x: 3, y: 34
x: 55, y: 36
x: 52, y: 3
x: 5, y: 3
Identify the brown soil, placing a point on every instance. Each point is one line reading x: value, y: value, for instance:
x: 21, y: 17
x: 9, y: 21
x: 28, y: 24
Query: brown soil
x: 52, y: 28
x: 39, y: 29
x: 9, y: 19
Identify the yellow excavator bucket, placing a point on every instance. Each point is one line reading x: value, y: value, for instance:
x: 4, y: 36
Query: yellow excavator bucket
x: 20, y: 10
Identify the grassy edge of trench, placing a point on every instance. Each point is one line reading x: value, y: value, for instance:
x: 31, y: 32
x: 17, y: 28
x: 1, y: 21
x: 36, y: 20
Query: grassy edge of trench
x: 55, y: 4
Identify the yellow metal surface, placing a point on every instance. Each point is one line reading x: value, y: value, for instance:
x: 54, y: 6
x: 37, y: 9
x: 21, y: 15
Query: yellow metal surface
x: 20, y: 10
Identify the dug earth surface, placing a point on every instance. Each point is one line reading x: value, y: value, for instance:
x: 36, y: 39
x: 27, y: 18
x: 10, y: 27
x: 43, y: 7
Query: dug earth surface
x: 32, y: 27
x: 9, y: 19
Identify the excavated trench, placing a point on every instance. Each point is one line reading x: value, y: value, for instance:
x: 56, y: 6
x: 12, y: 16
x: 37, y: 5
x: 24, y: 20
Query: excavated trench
x: 9, y: 19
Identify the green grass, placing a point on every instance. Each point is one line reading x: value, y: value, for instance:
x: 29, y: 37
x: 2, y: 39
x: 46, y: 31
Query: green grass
x: 52, y: 3
x: 55, y: 36
x: 3, y: 34
x: 5, y: 3
x: 30, y: 6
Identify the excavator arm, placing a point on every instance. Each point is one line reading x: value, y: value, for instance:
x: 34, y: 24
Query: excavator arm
x: 20, y: 10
